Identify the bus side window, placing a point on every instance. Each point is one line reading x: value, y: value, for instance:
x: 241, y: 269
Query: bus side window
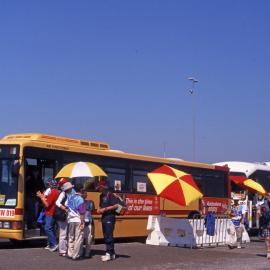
x: 117, y: 179
x: 87, y: 182
x: 141, y: 183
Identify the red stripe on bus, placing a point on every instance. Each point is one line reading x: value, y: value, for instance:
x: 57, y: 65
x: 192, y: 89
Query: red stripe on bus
x: 176, y: 212
x: 167, y: 212
x: 222, y: 168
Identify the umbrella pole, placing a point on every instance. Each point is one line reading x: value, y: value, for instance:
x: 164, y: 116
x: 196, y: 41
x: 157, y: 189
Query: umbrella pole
x: 163, y: 204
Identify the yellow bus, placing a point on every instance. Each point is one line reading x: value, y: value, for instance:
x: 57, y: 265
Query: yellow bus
x: 20, y: 154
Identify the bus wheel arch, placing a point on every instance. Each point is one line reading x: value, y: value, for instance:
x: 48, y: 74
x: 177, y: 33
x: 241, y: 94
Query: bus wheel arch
x: 16, y: 243
x: 194, y: 214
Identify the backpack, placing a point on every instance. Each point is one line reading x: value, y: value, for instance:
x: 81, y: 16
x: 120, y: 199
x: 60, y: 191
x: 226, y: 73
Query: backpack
x: 60, y: 214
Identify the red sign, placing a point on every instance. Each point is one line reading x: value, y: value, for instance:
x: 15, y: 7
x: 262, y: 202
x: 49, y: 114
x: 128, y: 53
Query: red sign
x: 216, y: 205
x: 138, y: 204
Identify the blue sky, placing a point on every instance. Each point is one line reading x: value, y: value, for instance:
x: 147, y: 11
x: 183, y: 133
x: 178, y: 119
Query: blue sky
x: 116, y: 71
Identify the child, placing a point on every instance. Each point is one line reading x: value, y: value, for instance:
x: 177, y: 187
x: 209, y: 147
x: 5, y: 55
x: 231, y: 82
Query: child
x: 89, y: 224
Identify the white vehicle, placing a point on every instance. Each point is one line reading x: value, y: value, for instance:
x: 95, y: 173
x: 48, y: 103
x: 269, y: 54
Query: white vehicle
x: 259, y: 172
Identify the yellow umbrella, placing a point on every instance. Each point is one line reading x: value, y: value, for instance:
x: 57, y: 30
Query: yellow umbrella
x: 80, y: 169
x: 252, y: 185
x: 249, y: 184
x: 174, y: 185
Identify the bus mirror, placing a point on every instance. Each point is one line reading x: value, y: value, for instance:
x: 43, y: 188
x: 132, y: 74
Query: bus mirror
x: 15, y: 168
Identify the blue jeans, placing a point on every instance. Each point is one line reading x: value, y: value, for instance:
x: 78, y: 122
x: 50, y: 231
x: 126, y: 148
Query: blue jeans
x: 108, y: 228
x: 49, y: 230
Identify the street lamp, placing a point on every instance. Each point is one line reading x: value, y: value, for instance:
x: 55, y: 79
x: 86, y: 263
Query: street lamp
x: 192, y: 92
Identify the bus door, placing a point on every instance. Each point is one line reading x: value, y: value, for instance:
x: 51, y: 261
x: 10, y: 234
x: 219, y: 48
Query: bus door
x: 37, y: 173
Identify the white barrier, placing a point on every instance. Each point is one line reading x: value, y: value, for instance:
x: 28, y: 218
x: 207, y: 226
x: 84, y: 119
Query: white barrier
x: 187, y: 232
x: 169, y: 231
x: 201, y: 236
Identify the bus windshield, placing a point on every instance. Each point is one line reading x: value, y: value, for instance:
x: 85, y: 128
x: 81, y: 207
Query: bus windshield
x: 8, y: 175
x: 262, y: 177
x: 212, y: 183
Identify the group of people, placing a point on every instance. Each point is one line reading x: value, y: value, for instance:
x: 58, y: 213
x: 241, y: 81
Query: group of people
x: 68, y: 206
x: 238, y: 213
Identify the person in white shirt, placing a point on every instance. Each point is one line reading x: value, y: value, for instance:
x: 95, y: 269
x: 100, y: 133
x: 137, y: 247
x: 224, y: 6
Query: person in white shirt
x: 236, y: 228
x: 62, y: 224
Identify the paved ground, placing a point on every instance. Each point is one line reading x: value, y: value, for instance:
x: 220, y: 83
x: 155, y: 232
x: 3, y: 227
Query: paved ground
x: 136, y: 255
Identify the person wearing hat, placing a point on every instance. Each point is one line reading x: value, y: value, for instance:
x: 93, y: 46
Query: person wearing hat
x: 237, y: 213
x: 62, y: 181
x: 108, y: 203
x: 61, y: 219
x: 49, y: 205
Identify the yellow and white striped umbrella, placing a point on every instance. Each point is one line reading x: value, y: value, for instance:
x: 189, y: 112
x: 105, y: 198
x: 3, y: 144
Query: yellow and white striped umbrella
x: 80, y: 169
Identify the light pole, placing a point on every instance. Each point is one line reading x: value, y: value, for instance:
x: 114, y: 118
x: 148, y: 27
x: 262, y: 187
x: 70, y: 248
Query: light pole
x: 192, y: 92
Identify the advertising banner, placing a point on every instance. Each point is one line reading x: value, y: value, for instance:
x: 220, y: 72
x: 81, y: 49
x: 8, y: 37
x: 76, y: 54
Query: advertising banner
x: 138, y: 204
x: 216, y: 205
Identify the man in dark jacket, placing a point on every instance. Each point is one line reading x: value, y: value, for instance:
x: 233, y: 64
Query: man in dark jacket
x: 107, y: 206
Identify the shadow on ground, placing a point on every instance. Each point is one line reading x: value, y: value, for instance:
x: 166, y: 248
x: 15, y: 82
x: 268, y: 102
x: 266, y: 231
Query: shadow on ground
x: 14, y: 244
